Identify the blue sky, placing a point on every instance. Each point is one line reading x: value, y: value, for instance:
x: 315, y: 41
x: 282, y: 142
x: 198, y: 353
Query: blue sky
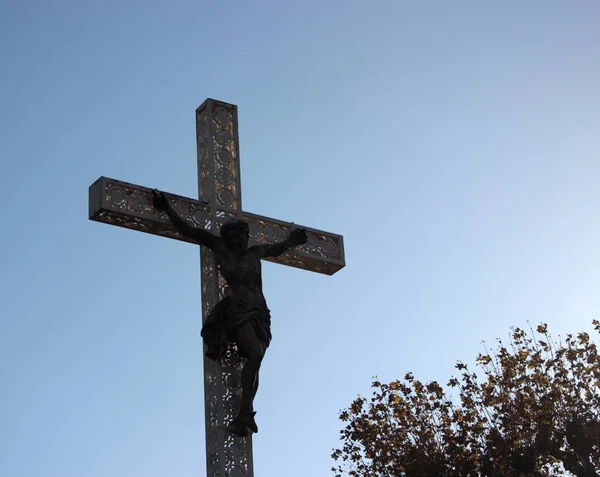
x: 454, y: 144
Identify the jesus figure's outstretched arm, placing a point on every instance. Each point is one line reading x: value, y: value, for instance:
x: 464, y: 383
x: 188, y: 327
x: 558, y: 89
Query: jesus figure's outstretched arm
x: 297, y: 237
x: 199, y: 235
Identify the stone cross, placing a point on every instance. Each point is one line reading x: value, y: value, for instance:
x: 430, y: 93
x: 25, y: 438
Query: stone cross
x: 219, y: 188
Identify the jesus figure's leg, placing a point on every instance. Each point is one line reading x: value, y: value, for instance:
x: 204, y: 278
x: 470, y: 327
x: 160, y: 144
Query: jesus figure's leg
x: 255, y: 387
x: 246, y: 339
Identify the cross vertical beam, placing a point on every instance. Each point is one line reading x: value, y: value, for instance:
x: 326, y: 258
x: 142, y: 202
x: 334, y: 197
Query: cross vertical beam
x: 219, y: 186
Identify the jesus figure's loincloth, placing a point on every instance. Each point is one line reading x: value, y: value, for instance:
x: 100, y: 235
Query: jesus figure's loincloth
x: 226, y: 316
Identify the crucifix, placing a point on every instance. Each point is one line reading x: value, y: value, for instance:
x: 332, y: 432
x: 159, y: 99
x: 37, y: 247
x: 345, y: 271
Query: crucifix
x: 228, y: 454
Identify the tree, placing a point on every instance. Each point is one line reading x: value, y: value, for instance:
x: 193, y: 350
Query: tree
x: 535, y: 412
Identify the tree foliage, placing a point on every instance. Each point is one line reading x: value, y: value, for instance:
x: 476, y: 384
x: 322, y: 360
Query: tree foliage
x: 534, y: 412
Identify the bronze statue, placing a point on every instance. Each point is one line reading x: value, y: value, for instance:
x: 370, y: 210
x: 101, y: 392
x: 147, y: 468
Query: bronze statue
x: 242, y: 318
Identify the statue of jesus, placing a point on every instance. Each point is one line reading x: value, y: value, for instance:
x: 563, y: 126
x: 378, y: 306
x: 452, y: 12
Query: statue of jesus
x: 242, y: 318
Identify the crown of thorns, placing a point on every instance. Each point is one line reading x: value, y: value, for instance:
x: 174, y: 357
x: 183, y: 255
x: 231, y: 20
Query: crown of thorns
x: 234, y: 224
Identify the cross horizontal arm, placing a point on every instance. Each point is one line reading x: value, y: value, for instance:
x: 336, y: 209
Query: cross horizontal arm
x: 130, y: 206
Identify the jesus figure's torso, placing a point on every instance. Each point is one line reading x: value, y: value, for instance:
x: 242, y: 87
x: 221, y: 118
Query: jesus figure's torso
x: 243, y: 275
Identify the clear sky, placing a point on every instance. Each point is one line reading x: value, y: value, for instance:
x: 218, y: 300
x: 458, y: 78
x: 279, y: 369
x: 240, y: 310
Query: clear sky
x: 455, y: 145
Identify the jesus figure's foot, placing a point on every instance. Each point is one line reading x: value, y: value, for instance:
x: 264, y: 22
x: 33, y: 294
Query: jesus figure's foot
x: 247, y: 420
x: 238, y: 428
